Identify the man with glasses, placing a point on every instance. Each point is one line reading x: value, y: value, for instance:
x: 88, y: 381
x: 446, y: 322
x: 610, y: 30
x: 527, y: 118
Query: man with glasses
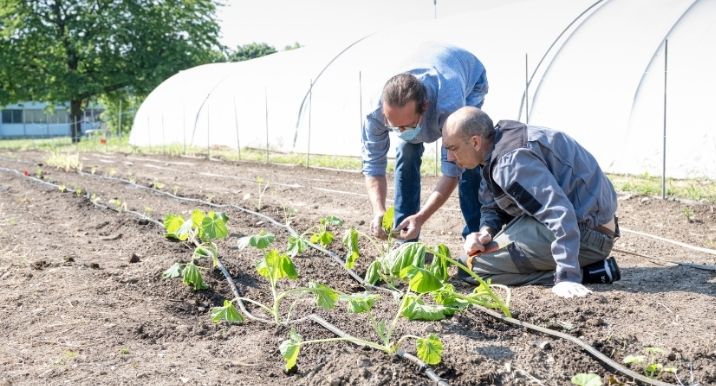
x: 414, y: 106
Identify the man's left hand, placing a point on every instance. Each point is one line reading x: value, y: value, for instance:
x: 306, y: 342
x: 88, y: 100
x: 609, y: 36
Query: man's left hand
x: 568, y: 289
x: 409, y: 228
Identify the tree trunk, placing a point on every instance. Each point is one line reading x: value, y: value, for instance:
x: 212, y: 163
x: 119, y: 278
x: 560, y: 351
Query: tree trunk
x: 75, y: 120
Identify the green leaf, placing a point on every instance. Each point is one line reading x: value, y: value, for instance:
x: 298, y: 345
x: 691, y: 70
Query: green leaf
x: 326, y: 297
x: 415, y: 309
x: 174, y: 227
x: 449, y: 298
x: 173, y: 271
x: 261, y: 240
x: 275, y: 266
x: 405, y: 255
x: 192, y: 277
x: 360, y: 302
x: 429, y: 349
x: 208, y: 250
x: 213, y: 227
x: 388, y: 218
x: 653, y: 369
x: 439, y: 266
x: 634, y: 359
x: 296, y: 245
x: 325, y: 238
x: 331, y: 221
x: 350, y: 240
x: 372, y: 274
x: 583, y: 379
x: 197, y: 216
x: 227, y: 313
x: 421, y: 280
x: 290, y: 348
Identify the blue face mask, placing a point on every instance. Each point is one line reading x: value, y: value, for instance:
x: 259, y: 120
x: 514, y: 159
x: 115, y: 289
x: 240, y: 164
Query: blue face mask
x: 408, y: 135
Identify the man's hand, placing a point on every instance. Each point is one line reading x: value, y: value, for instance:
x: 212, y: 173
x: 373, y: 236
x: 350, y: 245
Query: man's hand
x: 409, y: 228
x: 568, y: 289
x: 477, y: 242
x: 376, y: 227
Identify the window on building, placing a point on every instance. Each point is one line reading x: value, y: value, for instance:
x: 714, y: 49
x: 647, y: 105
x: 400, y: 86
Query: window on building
x: 12, y: 116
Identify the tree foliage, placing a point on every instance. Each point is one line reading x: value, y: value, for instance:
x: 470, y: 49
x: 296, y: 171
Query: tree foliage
x: 74, y: 50
x: 250, y: 51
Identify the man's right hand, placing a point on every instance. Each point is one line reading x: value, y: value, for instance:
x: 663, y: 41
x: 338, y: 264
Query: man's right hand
x: 477, y: 242
x: 376, y: 227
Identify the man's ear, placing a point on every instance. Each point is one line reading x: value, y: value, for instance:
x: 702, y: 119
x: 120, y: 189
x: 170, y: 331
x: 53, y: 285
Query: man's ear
x: 476, y: 142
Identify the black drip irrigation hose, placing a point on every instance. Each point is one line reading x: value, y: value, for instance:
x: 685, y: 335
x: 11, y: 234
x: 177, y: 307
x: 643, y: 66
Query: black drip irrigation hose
x: 586, y: 347
x: 422, y: 366
x: 288, y: 228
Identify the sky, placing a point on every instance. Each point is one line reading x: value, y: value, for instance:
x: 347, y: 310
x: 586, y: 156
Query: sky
x: 317, y: 22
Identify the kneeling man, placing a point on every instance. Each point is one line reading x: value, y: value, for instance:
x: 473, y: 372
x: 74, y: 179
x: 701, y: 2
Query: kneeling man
x: 558, y: 206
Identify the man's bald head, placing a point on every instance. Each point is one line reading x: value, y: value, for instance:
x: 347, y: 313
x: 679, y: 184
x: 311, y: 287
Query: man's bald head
x: 469, y: 121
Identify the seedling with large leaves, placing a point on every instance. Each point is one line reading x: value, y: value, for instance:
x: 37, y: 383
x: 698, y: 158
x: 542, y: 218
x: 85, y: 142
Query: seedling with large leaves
x: 200, y: 230
x: 407, y: 265
x: 429, y: 349
x: 276, y: 267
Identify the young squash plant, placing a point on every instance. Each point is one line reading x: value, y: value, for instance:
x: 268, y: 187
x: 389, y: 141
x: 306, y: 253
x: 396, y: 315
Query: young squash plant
x: 320, y: 234
x: 275, y: 267
x: 407, y: 264
x: 429, y: 349
x: 200, y: 230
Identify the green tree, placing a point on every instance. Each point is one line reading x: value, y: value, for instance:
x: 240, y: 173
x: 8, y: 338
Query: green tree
x: 75, y: 50
x: 250, y: 51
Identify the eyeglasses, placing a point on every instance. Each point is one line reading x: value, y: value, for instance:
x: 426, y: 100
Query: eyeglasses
x: 397, y: 129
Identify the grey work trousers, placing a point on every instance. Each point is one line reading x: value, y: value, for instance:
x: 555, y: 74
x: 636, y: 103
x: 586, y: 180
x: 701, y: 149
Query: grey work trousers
x: 526, y: 254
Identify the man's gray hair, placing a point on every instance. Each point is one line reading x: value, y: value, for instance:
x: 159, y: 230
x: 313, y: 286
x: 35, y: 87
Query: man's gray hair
x: 403, y: 88
x: 476, y: 122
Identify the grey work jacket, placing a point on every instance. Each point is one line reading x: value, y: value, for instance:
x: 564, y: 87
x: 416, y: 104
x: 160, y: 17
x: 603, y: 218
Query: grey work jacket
x: 546, y: 174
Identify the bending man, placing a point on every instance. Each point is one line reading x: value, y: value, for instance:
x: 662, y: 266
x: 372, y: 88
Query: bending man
x: 414, y: 105
x: 559, y: 204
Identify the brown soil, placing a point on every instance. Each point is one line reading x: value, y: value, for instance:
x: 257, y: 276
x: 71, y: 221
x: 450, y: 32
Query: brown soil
x: 83, y: 301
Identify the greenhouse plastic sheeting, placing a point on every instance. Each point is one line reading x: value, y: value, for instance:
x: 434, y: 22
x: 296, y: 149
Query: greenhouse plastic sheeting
x: 596, y: 71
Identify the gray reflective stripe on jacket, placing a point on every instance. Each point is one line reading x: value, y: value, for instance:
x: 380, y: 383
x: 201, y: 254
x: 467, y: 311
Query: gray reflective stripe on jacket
x: 549, y: 176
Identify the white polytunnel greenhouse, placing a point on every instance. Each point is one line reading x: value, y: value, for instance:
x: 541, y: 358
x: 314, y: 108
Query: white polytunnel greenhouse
x: 626, y: 78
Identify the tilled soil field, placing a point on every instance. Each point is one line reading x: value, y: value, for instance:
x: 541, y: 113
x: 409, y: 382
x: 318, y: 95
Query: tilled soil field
x: 83, y: 300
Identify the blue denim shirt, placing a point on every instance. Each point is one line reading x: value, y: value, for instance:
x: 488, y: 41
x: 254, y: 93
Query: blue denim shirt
x: 453, y: 78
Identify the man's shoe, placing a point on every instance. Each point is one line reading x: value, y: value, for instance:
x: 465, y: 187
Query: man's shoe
x: 603, y: 272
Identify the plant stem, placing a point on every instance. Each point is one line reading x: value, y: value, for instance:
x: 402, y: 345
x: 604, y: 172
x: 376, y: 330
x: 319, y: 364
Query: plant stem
x: 404, y: 337
x: 266, y: 308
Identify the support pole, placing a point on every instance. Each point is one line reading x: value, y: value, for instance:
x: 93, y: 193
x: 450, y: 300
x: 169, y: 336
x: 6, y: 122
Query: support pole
x: 208, y: 133
x: 527, y: 92
x: 663, y: 153
x: 267, y: 123
x: 310, y: 107
x: 236, y: 125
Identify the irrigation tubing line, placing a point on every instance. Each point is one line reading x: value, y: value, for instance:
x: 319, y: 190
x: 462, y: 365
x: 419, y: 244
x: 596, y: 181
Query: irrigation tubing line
x: 591, y: 350
x: 423, y: 367
x: 679, y: 243
x: 704, y: 267
x: 292, y: 231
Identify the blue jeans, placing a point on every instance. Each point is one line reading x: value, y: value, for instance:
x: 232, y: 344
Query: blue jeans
x: 408, y: 158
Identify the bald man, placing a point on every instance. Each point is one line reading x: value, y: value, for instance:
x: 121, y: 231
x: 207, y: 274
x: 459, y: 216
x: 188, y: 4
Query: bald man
x: 555, y: 203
